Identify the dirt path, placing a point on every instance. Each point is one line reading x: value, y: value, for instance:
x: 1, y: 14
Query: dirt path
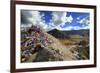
x: 64, y: 50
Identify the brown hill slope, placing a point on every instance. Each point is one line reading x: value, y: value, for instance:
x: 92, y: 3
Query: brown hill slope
x: 39, y: 46
x: 64, y: 50
x: 56, y: 51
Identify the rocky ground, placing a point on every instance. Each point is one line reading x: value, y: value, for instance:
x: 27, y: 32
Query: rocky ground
x: 49, y: 49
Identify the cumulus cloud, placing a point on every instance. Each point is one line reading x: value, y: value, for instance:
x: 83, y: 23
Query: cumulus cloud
x: 35, y: 19
x: 60, y: 18
x: 85, y: 21
x: 69, y: 19
x: 24, y: 17
x: 29, y: 18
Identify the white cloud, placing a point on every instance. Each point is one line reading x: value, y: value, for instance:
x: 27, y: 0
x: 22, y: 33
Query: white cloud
x: 59, y: 19
x: 72, y: 28
x: 85, y: 24
x: 86, y: 27
x: 78, y: 18
x: 69, y: 28
x: 25, y: 27
x: 85, y: 21
x: 34, y: 18
x: 69, y: 19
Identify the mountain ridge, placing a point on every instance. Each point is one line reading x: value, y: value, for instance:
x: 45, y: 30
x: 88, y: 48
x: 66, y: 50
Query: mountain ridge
x: 66, y: 34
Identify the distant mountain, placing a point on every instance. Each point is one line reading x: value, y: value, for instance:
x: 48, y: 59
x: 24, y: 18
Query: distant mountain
x: 58, y: 34
x: 66, y: 34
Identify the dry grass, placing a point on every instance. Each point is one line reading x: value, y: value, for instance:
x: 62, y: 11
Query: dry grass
x: 74, y: 40
x: 70, y: 41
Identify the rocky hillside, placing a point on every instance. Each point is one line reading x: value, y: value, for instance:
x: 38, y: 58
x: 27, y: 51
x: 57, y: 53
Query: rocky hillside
x: 55, y: 51
x: 67, y: 34
x: 39, y: 46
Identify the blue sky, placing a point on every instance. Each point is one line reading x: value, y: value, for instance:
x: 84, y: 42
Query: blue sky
x: 76, y: 17
x: 47, y: 16
x: 55, y: 19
